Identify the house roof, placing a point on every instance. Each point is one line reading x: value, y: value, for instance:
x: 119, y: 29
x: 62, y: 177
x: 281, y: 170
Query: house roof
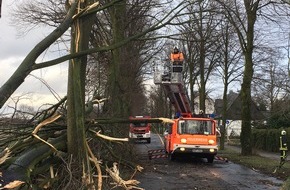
x: 234, y: 108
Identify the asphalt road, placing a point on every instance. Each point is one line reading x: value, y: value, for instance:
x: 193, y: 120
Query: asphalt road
x: 197, y: 174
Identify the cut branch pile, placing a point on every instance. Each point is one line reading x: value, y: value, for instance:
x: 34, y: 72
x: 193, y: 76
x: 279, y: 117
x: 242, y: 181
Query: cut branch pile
x: 35, y: 153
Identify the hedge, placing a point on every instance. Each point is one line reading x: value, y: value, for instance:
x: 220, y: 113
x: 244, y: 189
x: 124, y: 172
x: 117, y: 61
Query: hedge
x: 268, y: 139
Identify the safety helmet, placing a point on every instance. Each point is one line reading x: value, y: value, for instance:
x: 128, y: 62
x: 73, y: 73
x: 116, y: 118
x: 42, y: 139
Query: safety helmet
x: 283, y: 132
x: 175, y: 49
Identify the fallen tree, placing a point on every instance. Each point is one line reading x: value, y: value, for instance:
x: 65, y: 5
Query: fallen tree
x: 34, y: 152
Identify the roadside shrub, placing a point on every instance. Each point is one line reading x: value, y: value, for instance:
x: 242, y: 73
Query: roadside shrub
x: 268, y: 139
x: 258, y: 138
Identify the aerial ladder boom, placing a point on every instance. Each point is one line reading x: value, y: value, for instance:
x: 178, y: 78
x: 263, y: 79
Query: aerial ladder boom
x: 173, y: 85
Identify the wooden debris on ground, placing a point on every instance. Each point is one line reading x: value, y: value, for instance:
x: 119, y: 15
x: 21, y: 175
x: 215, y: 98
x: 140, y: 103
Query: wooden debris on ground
x: 119, y: 182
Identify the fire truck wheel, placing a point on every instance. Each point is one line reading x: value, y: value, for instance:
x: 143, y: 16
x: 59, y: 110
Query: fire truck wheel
x: 149, y: 140
x: 210, y: 159
x: 171, y: 156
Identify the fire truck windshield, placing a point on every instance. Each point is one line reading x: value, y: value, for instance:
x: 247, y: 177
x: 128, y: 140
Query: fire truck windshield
x: 138, y: 124
x: 195, y: 127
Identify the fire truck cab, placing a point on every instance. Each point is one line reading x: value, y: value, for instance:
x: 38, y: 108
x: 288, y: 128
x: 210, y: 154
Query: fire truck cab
x: 192, y: 137
x: 140, y: 129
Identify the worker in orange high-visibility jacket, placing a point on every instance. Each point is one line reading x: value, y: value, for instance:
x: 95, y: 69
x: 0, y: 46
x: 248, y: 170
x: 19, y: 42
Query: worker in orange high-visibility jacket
x: 176, y: 56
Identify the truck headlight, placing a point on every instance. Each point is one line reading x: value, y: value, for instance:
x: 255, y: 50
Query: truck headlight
x: 211, y: 150
x: 211, y: 141
x: 183, y: 141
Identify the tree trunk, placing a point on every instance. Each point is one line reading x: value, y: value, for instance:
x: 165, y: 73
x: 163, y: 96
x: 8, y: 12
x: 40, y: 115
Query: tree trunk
x: 226, y: 83
x: 192, y: 80
x: 117, y: 102
x: 22, y: 166
x: 76, y: 137
x: 246, y: 140
x: 224, y: 118
x: 202, y: 52
x: 202, y: 91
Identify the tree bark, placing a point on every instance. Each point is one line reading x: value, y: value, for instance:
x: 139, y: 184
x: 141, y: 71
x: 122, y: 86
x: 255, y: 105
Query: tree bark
x: 117, y: 102
x: 246, y: 140
x: 21, y: 168
x: 226, y: 83
x: 76, y: 137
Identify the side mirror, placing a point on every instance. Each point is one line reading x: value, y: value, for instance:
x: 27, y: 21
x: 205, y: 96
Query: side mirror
x: 165, y: 133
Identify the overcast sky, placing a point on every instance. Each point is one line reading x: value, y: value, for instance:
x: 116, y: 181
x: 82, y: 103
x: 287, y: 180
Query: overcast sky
x: 13, y: 49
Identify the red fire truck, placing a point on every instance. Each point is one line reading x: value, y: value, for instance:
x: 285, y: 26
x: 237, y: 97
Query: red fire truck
x: 140, y: 129
x: 189, y: 134
x: 192, y: 136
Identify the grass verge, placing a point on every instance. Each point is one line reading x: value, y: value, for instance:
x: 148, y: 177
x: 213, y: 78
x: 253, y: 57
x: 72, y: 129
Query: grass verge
x: 260, y: 164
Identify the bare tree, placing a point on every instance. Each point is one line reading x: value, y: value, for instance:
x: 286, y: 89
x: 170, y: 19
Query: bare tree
x: 229, y: 68
x: 243, y: 16
x: 200, y: 34
x: 270, y: 80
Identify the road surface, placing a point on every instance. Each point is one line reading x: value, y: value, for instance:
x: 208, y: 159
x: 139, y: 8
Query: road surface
x: 197, y: 174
